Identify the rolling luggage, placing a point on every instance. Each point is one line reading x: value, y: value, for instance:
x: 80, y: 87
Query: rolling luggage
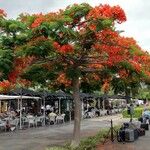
x: 136, y: 134
x: 121, y: 136
x: 145, y: 126
x: 129, y: 135
x: 141, y: 132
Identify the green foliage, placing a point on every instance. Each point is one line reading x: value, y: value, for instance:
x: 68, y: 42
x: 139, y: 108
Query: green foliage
x: 118, y: 85
x: 105, y: 73
x: 6, y: 58
x: 89, y: 143
x: 103, y: 23
x: 28, y: 19
x: 13, y: 26
x: 21, y: 38
x: 77, y: 11
x: 72, y: 72
x: 126, y: 65
x: 144, y: 93
x: 37, y: 73
x: 41, y: 49
x: 7, y: 42
x: 137, y: 113
x: 56, y: 148
x: 90, y: 87
x: 134, y: 49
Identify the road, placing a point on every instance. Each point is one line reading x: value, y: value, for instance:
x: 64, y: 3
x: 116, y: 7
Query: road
x: 42, y: 137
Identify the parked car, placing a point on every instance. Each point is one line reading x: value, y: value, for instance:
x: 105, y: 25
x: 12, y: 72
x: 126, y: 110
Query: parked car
x: 146, y: 114
x: 139, y: 102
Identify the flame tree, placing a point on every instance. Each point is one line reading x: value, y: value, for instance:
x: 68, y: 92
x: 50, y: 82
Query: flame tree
x: 80, y: 42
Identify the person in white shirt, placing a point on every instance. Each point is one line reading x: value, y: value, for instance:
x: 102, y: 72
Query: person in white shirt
x: 48, y: 107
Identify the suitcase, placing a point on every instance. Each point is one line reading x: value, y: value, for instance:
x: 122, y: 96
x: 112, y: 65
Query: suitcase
x: 145, y: 126
x: 129, y: 135
x: 141, y: 132
x: 136, y: 134
x: 121, y: 136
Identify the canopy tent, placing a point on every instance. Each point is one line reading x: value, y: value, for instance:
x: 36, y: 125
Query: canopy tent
x: 45, y: 95
x: 85, y: 96
x: 23, y: 91
x: 118, y: 97
x: 61, y: 95
x: 19, y: 98
x: 55, y: 96
x: 12, y: 97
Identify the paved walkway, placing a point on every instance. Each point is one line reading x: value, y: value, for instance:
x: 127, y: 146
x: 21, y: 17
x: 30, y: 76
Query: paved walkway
x: 143, y: 143
x: 42, y: 137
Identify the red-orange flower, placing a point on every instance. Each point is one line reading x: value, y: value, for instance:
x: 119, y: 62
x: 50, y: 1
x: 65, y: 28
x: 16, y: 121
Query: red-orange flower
x: 107, y: 12
x: 67, y: 48
x: 2, y: 13
x: 4, y: 85
x: 38, y: 20
x: 63, y: 80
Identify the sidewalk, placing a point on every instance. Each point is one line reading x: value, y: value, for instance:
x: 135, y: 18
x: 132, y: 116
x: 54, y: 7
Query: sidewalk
x: 143, y: 143
x: 42, y: 137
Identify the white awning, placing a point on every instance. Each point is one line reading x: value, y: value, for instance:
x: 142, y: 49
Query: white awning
x: 7, y: 97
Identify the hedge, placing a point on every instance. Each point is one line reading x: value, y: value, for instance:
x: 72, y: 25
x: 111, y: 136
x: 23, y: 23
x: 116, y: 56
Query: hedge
x: 137, y: 112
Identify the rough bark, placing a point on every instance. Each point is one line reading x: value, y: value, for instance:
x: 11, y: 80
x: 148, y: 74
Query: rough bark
x: 127, y: 95
x: 106, y: 101
x: 77, y: 113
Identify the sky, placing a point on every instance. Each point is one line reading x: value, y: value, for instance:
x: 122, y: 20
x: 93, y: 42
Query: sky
x: 137, y: 12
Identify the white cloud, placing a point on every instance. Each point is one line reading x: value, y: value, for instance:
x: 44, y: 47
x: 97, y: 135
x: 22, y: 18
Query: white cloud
x: 137, y: 12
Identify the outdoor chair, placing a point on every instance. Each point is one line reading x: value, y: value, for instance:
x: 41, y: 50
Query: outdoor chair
x: 2, y: 125
x: 91, y: 114
x: 116, y: 110
x: 31, y: 121
x: 60, y: 118
x: 63, y: 117
x: 39, y: 121
x: 103, y: 112
x: 47, y: 120
x: 14, y: 124
x: 85, y: 114
x: 25, y: 121
x: 113, y: 111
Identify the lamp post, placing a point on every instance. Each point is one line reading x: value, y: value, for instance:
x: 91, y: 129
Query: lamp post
x: 20, y: 125
x: 44, y: 108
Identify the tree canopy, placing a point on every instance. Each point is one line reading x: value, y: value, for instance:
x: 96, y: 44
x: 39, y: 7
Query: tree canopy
x: 81, y: 41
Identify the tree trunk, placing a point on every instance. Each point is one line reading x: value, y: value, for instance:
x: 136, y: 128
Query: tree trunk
x: 106, y: 101
x: 127, y: 95
x: 77, y: 113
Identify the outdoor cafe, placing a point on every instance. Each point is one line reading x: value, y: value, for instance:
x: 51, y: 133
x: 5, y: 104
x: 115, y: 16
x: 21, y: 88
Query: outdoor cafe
x: 24, y: 108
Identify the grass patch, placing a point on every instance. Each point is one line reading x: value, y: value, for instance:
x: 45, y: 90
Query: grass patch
x: 56, y: 148
x: 89, y: 143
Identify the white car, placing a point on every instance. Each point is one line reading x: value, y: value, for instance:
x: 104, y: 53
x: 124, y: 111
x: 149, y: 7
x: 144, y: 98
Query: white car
x: 139, y: 102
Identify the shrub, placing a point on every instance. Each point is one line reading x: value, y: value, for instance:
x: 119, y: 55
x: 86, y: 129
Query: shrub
x: 91, y: 142
x: 136, y: 114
